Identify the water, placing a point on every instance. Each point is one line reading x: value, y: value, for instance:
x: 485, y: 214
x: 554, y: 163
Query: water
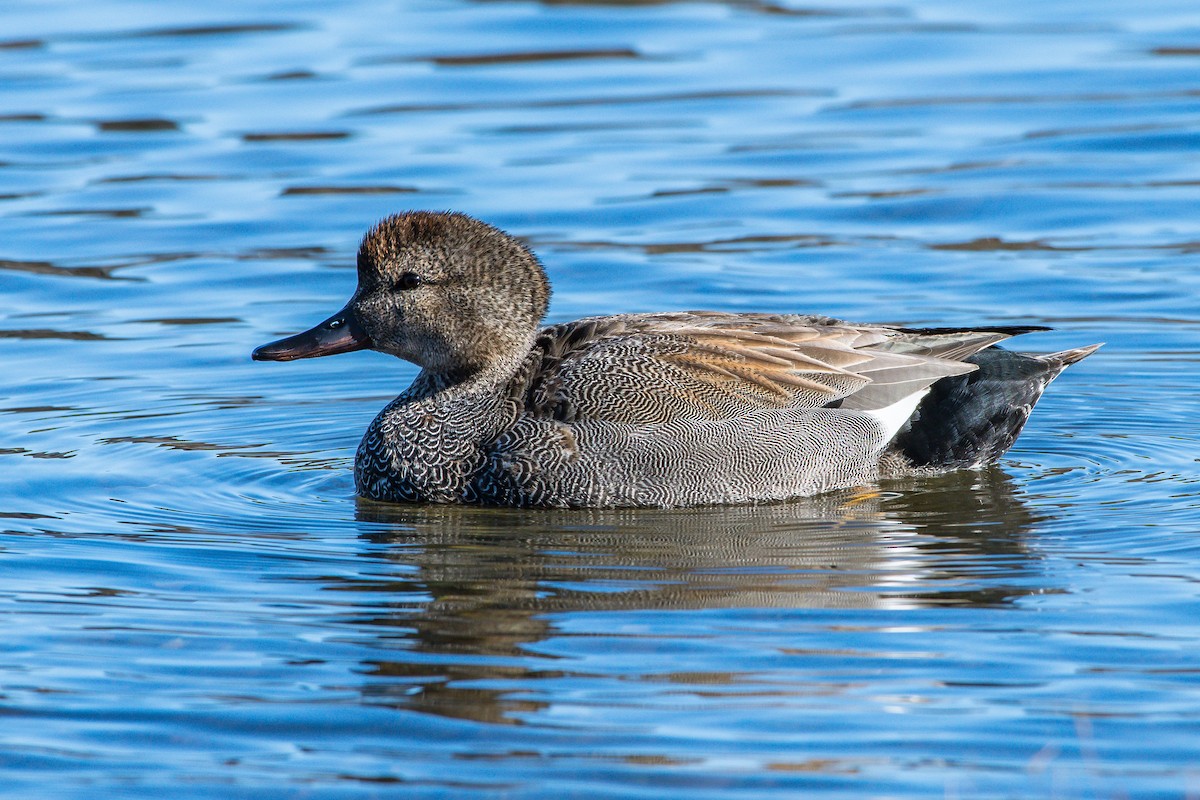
x: 196, y: 606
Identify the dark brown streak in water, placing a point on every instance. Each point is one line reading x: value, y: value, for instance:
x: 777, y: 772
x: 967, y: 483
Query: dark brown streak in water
x: 302, y: 190
x: 1184, y: 248
x: 292, y: 75
x: 113, y: 213
x: 144, y: 125
x: 685, y: 192
x: 220, y: 401
x: 313, y: 253
x: 992, y: 243
x: 773, y: 183
x: 295, y: 136
x: 529, y: 57
x: 783, y: 11
x: 886, y: 195
x: 160, y: 176
x: 175, y: 443
x: 48, y: 333
x: 47, y: 268
x: 284, y: 253
x: 216, y: 30
x: 1175, y: 51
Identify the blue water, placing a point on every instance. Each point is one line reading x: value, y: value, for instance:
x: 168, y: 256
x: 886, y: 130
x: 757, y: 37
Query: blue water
x: 196, y: 606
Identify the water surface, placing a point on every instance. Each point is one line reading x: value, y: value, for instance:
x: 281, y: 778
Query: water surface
x: 196, y: 605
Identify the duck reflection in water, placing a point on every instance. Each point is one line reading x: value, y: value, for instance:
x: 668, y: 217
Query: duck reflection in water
x: 474, y: 588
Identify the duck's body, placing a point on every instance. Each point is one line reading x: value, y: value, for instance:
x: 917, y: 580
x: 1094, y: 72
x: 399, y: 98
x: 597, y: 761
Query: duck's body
x: 646, y: 410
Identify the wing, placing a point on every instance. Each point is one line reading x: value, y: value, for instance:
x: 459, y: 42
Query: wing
x: 708, y: 365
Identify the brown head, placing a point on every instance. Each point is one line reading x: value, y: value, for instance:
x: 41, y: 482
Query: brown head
x: 450, y: 293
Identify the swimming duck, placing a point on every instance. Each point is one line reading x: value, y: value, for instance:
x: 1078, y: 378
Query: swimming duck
x: 670, y: 409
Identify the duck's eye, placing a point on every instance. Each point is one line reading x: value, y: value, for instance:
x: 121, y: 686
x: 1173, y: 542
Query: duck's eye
x: 408, y: 280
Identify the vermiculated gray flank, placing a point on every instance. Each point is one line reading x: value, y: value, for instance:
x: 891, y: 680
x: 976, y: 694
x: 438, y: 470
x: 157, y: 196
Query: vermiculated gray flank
x: 646, y: 409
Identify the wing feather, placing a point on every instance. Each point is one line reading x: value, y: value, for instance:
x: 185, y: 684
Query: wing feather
x: 705, y: 365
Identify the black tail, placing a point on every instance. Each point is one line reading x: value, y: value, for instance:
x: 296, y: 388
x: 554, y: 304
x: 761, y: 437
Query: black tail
x: 1007, y: 330
x: 970, y: 420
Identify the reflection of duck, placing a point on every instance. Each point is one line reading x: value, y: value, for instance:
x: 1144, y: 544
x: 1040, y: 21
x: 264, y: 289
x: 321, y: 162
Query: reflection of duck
x: 839, y: 549
x: 647, y: 409
x: 462, y: 591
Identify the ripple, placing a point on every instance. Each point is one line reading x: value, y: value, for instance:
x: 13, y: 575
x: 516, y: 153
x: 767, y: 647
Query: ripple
x: 175, y: 443
x: 296, y: 136
x: 51, y: 333
x: 887, y: 194
x: 530, y: 57
x: 111, y: 213
x: 162, y: 176
x: 1175, y: 51
x: 310, y: 190
x: 574, y: 102
x: 293, y: 75
x: 49, y: 268
x: 229, y: 29
x: 24, y: 515
x: 994, y: 243
x: 1104, y: 130
x: 139, y: 125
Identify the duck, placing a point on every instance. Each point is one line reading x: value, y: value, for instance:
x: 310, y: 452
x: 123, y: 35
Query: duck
x: 663, y: 409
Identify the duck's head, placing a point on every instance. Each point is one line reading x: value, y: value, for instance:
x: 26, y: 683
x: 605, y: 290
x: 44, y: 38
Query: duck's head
x: 443, y: 290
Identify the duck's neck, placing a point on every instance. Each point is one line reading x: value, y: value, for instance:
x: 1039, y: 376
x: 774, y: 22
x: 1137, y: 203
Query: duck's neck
x: 482, y: 384
x: 426, y: 445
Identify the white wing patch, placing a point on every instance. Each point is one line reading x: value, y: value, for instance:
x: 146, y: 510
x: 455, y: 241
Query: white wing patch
x: 893, y: 417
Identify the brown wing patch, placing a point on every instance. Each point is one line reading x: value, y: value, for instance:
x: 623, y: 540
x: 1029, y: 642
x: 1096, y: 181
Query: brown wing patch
x: 807, y: 367
x: 665, y: 367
